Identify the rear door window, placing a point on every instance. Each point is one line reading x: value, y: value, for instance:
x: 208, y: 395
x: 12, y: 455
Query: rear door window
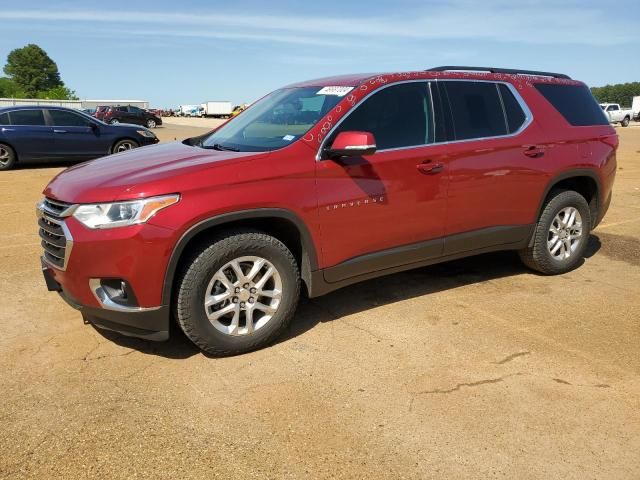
x: 398, y: 116
x: 476, y: 109
x: 61, y: 118
x: 27, y: 117
x: 574, y: 102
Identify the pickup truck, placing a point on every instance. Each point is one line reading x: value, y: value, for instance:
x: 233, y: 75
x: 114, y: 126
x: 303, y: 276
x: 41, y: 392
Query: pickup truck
x: 615, y: 114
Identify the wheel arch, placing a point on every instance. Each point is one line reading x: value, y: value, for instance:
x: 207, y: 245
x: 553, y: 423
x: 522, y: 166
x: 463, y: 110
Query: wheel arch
x: 584, y: 181
x: 282, y: 224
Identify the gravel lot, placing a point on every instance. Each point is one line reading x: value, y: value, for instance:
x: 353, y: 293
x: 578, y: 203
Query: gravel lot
x: 472, y: 369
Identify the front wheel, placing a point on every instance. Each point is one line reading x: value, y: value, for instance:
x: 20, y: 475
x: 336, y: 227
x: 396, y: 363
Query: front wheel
x: 561, y: 234
x: 625, y: 122
x: 7, y: 157
x: 151, y: 123
x: 114, y: 121
x: 238, y: 293
x: 124, y: 145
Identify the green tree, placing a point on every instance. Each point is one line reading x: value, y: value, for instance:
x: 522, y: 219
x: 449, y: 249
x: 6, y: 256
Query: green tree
x: 32, y: 70
x: 9, y: 89
x: 58, y: 93
x: 621, y: 93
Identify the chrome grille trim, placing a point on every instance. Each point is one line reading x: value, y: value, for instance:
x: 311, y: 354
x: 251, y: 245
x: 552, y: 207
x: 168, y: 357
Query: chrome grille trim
x: 56, y: 208
x: 56, y: 239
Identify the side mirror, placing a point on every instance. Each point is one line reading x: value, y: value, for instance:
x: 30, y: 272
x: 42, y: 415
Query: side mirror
x: 352, y: 144
x: 94, y: 126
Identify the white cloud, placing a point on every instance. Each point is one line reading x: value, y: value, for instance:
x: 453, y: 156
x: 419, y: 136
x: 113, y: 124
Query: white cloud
x: 524, y: 22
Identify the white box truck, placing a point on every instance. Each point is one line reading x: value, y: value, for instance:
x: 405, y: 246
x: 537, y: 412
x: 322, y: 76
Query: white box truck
x: 220, y: 109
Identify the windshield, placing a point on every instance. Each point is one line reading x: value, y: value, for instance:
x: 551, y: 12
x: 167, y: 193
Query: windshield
x: 274, y: 122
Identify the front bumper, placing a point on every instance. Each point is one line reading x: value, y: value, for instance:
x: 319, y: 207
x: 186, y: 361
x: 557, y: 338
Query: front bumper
x: 147, y: 323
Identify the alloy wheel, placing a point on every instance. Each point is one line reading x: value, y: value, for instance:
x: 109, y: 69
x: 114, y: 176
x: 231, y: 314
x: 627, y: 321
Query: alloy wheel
x: 243, y: 295
x: 5, y: 157
x: 565, y: 233
x: 124, y: 146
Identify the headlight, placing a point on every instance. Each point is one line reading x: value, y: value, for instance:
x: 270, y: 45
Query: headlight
x: 146, y: 133
x: 122, y: 214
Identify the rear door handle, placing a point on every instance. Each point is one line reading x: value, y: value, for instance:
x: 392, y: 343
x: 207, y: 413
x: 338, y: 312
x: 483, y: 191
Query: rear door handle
x: 8, y: 129
x: 59, y: 131
x: 429, y: 168
x: 534, y: 151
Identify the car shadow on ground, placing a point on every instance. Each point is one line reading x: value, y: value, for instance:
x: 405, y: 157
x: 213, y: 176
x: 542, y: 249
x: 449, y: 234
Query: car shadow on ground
x: 33, y: 165
x: 365, y: 296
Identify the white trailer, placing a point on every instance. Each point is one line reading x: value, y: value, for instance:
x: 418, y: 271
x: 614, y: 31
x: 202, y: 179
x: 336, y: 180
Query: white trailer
x: 635, y: 107
x: 220, y: 109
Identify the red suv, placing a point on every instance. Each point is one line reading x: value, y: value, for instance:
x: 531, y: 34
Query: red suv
x: 322, y: 184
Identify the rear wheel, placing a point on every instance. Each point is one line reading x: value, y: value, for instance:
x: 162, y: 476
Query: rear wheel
x: 151, y: 123
x: 561, y: 234
x: 237, y: 293
x: 625, y: 122
x: 124, y: 145
x: 7, y: 157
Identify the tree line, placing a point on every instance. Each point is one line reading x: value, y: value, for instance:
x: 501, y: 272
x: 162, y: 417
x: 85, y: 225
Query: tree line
x: 31, y: 73
x: 621, y: 93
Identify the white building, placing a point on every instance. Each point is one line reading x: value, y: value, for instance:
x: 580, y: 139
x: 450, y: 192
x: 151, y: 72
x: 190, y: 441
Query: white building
x: 79, y: 104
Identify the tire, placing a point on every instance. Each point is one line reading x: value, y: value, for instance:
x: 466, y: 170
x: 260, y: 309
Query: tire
x: 539, y: 255
x: 114, y: 121
x: 151, y: 123
x: 203, y: 276
x: 7, y: 157
x: 124, y: 145
x: 625, y: 122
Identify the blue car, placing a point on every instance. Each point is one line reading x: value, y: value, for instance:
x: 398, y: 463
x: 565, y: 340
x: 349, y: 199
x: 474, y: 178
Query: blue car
x: 37, y: 133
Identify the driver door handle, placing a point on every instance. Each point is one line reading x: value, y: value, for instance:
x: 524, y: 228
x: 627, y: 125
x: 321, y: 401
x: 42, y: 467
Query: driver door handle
x: 428, y: 168
x: 55, y: 130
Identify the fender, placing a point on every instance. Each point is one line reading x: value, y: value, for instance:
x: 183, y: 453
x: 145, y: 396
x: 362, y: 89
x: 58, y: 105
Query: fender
x: 309, y: 249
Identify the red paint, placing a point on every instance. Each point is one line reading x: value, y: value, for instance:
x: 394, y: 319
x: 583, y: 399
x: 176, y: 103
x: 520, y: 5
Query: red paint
x: 351, y: 207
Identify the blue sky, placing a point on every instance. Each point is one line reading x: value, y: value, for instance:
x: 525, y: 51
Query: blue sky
x: 189, y: 51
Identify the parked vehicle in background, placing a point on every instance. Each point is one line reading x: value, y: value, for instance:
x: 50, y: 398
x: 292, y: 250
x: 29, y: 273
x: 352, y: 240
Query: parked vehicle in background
x: 635, y: 108
x: 58, y: 133
x: 217, y: 109
x: 131, y: 114
x: 615, y: 114
x: 239, y: 109
x: 89, y: 111
x: 189, y: 110
x: 100, y: 111
x: 323, y: 184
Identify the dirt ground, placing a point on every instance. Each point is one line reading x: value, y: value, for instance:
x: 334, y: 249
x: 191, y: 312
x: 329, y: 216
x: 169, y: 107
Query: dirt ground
x: 472, y: 369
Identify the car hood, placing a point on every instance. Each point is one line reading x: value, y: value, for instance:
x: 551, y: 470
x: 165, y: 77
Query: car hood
x: 142, y: 172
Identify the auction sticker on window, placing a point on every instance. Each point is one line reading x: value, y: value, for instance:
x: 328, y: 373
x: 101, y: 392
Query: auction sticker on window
x: 338, y: 91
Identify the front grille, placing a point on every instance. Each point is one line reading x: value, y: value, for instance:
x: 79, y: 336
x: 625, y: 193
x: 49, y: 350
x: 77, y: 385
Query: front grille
x: 54, y: 235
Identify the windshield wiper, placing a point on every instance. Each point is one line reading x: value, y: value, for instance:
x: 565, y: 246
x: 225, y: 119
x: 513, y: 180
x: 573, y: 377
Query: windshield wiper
x: 220, y: 147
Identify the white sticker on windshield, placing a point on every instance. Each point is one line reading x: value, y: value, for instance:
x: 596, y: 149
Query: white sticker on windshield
x: 288, y: 138
x: 338, y: 91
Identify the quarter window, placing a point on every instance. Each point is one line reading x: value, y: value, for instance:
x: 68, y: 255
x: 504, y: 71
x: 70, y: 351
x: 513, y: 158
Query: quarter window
x: 27, y: 117
x: 4, y: 119
x: 512, y: 109
x: 476, y: 110
x: 574, y: 102
x: 398, y: 116
x: 61, y: 118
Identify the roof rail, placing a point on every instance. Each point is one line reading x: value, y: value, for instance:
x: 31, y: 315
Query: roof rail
x: 511, y: 71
